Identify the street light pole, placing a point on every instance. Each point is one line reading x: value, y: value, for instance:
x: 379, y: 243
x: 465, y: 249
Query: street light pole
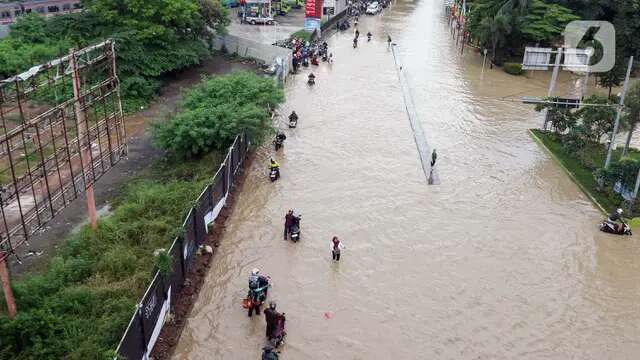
x: 618, y: 114
x: 552, y: 85
x: 484, y: 60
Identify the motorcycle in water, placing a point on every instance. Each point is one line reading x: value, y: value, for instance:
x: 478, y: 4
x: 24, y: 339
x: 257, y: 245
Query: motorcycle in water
x: 368, y: 37
x: 293, y: 122
x: 278, y: 142
x: 618, y: 229
x: 274, y: 174
x: 268, y: 353
x: 355, y: 43
x: 295, y: 228
x: 278, y: 337
x: 312, y: 80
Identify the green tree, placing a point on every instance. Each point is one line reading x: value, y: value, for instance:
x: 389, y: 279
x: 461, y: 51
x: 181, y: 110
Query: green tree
x: 218, y: 109
x: 561, y: 118
x: 598, y: 118
x: 152, y: 38
x: 545, y: 22
x: 613, y: 77
x: 493, y: 30
x: 31, y: 28
x: 631, y: 112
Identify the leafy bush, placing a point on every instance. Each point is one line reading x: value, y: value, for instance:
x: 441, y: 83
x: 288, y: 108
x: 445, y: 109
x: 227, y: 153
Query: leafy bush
x: 513, y: 68
x: 215, y: 111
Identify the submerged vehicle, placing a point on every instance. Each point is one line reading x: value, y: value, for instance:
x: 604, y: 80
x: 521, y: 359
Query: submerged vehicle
x: 618, y: 229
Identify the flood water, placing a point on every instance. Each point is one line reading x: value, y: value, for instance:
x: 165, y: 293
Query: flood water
x: 502, y: 260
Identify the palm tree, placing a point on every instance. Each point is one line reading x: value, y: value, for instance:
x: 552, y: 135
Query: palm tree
x: 632, y: 112
x: 495, y: 30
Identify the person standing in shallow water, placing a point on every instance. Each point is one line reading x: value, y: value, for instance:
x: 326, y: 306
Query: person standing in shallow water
x: 336, y: 246
x: 288, y: 222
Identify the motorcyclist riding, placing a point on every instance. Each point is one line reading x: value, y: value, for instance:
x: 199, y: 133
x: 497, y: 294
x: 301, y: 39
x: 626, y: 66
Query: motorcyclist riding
x: 273, y: 319
x: 355, y: 42
x: 369, y: 36
x: 258, y: 286
x: 279, y: 140
x: 273, y: 165
x: 312, y: 79
x: 614, y: 217
x: 293, y: 116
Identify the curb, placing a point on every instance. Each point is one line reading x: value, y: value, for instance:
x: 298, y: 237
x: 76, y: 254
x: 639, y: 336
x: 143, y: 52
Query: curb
x: 564, y: 168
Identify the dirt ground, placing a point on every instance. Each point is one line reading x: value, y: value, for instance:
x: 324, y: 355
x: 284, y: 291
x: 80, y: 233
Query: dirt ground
x: 140, y: 156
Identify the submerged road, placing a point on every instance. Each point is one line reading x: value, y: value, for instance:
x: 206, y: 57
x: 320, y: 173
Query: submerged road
x: 503, y: 260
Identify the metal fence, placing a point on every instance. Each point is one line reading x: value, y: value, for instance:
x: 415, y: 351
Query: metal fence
x: 61, y: 129
x: 161, y: 296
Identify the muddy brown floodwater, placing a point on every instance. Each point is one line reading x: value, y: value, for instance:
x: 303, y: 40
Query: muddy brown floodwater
x: 503, y: 260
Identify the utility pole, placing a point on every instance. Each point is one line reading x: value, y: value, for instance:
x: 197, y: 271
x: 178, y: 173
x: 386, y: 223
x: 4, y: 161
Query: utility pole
x: 6, y: 286
x: 484, y: 60
x: 83, y: 140
x: 552, y: 84
x: 554, y: 76
x: 618, y: 113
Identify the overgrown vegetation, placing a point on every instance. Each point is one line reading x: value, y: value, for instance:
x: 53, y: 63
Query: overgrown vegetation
x: 81, y: 306
x: 513, y: 68
x: 152, y: 38
x: 215, y: 111
x: 577, y: 140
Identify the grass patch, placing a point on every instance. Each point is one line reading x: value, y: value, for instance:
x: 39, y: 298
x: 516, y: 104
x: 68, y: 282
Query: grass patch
x: 583, y: 174
x: 80, y: 307
x: 302, y: 34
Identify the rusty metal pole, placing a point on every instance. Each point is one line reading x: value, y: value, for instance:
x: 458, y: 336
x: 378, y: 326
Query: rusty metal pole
x: 6, y: 286
x: 84, y: 145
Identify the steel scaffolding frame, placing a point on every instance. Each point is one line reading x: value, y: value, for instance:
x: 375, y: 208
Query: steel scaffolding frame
x: 62, y: 128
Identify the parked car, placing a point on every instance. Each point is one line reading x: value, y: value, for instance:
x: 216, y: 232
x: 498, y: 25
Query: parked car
x: 259, y: 20
x: 373, y: 8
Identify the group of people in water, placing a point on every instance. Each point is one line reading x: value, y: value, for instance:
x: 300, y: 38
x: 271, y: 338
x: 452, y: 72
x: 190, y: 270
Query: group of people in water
x: 306, y: 53
x: 258, y: 289
x: 259, y: 283
x: 357, y: 35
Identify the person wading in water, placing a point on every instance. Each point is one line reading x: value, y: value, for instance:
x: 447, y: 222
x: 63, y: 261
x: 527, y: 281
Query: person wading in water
x: 336, y: 246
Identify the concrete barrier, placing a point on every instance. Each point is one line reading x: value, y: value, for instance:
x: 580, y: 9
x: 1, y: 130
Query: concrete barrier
x: 268, y: 54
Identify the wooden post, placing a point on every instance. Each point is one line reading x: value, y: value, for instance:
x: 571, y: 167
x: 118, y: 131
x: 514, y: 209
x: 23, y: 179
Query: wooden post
x: 6, y: 286
x: 83, y: 143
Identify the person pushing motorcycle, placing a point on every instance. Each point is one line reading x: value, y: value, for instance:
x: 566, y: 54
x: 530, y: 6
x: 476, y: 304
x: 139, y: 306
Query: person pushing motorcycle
x: 258, y: 286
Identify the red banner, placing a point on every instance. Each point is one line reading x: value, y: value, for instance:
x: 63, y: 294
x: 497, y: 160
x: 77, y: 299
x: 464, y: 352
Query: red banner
x: 313, y: 9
